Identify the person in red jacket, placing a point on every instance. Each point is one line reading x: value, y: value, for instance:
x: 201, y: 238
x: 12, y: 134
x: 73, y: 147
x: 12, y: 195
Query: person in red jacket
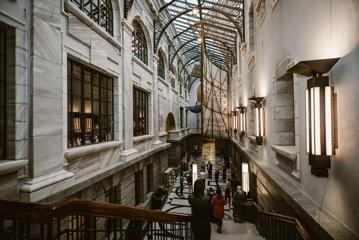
x: 218, y: 203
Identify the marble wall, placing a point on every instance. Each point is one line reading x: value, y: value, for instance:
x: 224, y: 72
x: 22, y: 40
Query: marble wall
x: 44, y: 35
x: 290, y: 29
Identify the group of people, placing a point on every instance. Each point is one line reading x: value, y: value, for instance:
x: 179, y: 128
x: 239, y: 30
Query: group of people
x: 205, y: 209
x: 210, y: 208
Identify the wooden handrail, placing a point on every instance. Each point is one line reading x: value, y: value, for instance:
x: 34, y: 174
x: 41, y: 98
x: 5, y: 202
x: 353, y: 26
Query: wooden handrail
x: 45, y: 212
x: 293, y: 220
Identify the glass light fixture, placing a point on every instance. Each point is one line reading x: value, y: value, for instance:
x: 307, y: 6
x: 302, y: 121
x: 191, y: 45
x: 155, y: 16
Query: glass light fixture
x: 195, y: 11
x: 234, y: 121
x: 320, y: 105
x: 259, y: 118
x: 245, y: 177
x: 199, y: 40
x: 242, y: 120
x: 194, y: 173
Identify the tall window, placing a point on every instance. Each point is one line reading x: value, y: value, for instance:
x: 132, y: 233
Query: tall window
x: 186, y: 118
x: 181, y: 117
x: 90, y: 106
x: 2, y: 93
x: 138, y: 187
x: 149, y: 179
x: 180, y: 84
x: 251, y: 29
x: 140, y: 112
x: 98, y: 10
x: 161, y: 65
x: 139, y: 43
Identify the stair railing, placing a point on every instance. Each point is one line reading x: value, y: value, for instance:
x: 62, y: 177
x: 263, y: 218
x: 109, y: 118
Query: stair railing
x: 75, y: 219
x: 274, y: 226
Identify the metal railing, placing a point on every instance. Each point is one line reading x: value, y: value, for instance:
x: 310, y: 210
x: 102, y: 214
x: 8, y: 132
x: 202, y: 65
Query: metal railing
x: 89, y: 220
x: 274, y: 226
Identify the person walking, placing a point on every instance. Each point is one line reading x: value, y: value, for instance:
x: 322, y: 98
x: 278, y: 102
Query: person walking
x: 227, y: 193
x: 218, y: 203
x: 239, y: 200
x: 202, y: 212
x: 209, y: 169
x: 181, y: 178
x: 216, y: 176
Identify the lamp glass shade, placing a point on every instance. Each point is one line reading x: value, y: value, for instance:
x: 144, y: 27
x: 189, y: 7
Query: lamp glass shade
x: 328, y: 121
x: 194, y: 173
x: 259, y: 120
x: 319, y: 120
x: 242, y: 121
x: 245, y: 177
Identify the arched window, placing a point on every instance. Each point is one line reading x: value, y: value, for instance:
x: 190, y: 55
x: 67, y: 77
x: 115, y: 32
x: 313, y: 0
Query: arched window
x: 139, y: 43
x: 98, y: 10
x: 161, y: 65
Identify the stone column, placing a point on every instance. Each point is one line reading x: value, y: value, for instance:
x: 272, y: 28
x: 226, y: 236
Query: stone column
x: 155, y: 101
x: 46, y: 149
x: 127, y: 90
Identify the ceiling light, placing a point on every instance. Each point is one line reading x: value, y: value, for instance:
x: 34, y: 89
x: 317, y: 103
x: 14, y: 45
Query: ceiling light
x: 199, y: 40
x: 195, y: 11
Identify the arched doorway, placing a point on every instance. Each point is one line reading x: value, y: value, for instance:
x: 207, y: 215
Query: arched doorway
x: 170, y: 122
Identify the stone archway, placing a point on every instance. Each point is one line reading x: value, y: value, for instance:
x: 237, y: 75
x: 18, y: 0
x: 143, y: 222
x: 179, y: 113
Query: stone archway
x: 170, y: 122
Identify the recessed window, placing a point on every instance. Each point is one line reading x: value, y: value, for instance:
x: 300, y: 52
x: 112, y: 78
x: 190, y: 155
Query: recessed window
x: 161, y: 65
x: 149, y: 170
x: 251, y: 29
x: 138, y: 187
x: 90, y: 106
x: 2, y: 93
x: 140, y: 112
x: 98, y: 10
x: 181, y: 117
x: 139, y: 43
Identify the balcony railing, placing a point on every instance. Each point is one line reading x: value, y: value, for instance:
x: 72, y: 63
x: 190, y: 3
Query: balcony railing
x: 279, y: 227
x: 88, y: 220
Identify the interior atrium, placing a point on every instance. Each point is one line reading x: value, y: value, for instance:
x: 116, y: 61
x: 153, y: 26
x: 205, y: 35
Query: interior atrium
x: 111, y: 111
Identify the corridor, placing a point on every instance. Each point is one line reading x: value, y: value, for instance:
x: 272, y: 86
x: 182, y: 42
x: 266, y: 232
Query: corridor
x: 230, y: 230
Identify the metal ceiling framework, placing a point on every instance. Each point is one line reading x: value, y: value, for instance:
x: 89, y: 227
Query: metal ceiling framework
x: 215, y: 22
x: 205, y: 31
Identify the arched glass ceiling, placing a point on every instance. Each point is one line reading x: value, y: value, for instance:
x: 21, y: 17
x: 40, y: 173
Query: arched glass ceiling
x: 216, y: 23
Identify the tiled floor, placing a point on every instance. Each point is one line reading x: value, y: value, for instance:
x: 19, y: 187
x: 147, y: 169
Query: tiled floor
x: 230, y: 230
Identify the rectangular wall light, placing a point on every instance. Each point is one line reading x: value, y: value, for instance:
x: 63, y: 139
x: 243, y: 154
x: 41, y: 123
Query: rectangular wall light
x: 259, y: 118
x: 245, y: 177
x: 320, y: 109
x: 234, y: 120
x: 242, y: 120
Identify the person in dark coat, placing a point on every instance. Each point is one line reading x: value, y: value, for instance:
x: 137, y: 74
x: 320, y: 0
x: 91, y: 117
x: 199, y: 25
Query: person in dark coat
x: 216, y: 176
x: 202, y: 212
x: 224, y: 173
x: 209, y: 169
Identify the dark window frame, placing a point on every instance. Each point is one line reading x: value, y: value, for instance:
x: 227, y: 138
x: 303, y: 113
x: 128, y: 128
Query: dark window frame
x: 138, y: 187
x: 101, y: 115
x: 139, y: 42
x: 149, y: 180
x: 161, y: 66
x: 181, y: 117
x: 3, y: 95
x: 100, y: 11
x: 140, y: 112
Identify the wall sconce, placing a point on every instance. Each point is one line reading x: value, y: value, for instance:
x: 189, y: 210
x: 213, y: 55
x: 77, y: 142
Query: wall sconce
x: 242, y: 119
x: 245, y: 177
x: 259, y: 115
x: 321, y: 123
x: 234, y: 120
